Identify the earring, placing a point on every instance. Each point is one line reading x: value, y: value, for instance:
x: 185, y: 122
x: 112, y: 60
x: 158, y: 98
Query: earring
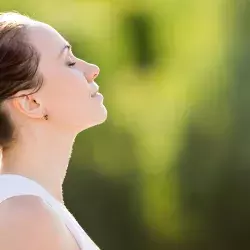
x: 46, y: 117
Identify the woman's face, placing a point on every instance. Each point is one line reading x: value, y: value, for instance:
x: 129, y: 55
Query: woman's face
x: 67, y: 95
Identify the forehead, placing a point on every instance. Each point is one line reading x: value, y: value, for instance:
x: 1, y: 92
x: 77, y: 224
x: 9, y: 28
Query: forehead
x: 46, y: 39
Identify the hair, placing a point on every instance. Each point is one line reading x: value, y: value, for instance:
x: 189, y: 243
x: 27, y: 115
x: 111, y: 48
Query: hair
x: 19, y: 62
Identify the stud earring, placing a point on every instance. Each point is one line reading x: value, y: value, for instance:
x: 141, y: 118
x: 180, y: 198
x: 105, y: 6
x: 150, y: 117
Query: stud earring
x: 46, y: 117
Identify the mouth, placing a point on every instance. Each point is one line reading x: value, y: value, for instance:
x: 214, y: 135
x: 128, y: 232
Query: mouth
x: 95, y: 93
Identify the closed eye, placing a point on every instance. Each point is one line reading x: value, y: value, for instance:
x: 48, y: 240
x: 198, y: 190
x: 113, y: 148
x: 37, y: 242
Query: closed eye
x: 71, y: 64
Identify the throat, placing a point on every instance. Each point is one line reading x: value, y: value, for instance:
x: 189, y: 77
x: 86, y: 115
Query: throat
x: 45, y: 161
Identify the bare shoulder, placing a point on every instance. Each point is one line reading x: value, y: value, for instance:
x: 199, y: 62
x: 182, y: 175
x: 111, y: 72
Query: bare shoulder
x: 26, y: 222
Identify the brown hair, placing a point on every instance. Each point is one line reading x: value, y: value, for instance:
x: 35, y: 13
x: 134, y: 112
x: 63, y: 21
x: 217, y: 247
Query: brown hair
x: 19, y: 62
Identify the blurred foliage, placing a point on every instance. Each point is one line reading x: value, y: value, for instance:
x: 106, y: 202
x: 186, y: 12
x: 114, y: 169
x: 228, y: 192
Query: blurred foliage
x: 170, y: 169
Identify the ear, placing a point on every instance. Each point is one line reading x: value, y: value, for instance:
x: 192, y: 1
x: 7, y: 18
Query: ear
x: 29, y: 106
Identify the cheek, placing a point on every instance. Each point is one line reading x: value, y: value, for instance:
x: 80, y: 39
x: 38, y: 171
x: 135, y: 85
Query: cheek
x: 66, y: 93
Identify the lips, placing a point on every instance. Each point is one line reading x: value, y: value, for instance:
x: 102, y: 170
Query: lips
x: 94, y: 93
x: 94, y: 88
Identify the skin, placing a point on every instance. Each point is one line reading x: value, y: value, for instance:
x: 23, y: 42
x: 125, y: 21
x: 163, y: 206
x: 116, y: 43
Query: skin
x: 43, y: 147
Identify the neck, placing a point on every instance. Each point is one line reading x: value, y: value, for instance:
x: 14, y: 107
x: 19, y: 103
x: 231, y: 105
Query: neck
x: 41, y: 155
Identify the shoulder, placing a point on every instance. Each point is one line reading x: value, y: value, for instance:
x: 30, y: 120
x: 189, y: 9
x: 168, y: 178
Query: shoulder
x: 26, y: 222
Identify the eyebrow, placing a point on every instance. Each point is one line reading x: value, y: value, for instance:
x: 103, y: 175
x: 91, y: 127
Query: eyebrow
x: 66, y: 47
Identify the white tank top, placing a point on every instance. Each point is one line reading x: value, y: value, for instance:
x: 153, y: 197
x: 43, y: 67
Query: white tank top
x: 17, y: 185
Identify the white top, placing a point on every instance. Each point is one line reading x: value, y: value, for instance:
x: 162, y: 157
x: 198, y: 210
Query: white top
x: 17, y: 185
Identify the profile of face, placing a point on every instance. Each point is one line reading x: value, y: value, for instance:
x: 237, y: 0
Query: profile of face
x: 69, y: 94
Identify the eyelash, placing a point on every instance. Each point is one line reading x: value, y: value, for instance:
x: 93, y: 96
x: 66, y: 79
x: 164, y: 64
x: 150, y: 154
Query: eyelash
x: 71, y: 64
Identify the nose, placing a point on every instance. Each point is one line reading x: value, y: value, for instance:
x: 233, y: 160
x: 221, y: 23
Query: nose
x: 91, y: 72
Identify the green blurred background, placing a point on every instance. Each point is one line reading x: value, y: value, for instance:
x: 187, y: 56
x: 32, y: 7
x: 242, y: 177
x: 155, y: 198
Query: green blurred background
x: 170, y: 169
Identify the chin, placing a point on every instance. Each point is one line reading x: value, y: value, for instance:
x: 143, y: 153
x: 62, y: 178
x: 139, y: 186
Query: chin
x: 102, y: 118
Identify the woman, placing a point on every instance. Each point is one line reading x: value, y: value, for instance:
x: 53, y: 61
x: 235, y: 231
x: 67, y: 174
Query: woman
x: 47, y: 97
